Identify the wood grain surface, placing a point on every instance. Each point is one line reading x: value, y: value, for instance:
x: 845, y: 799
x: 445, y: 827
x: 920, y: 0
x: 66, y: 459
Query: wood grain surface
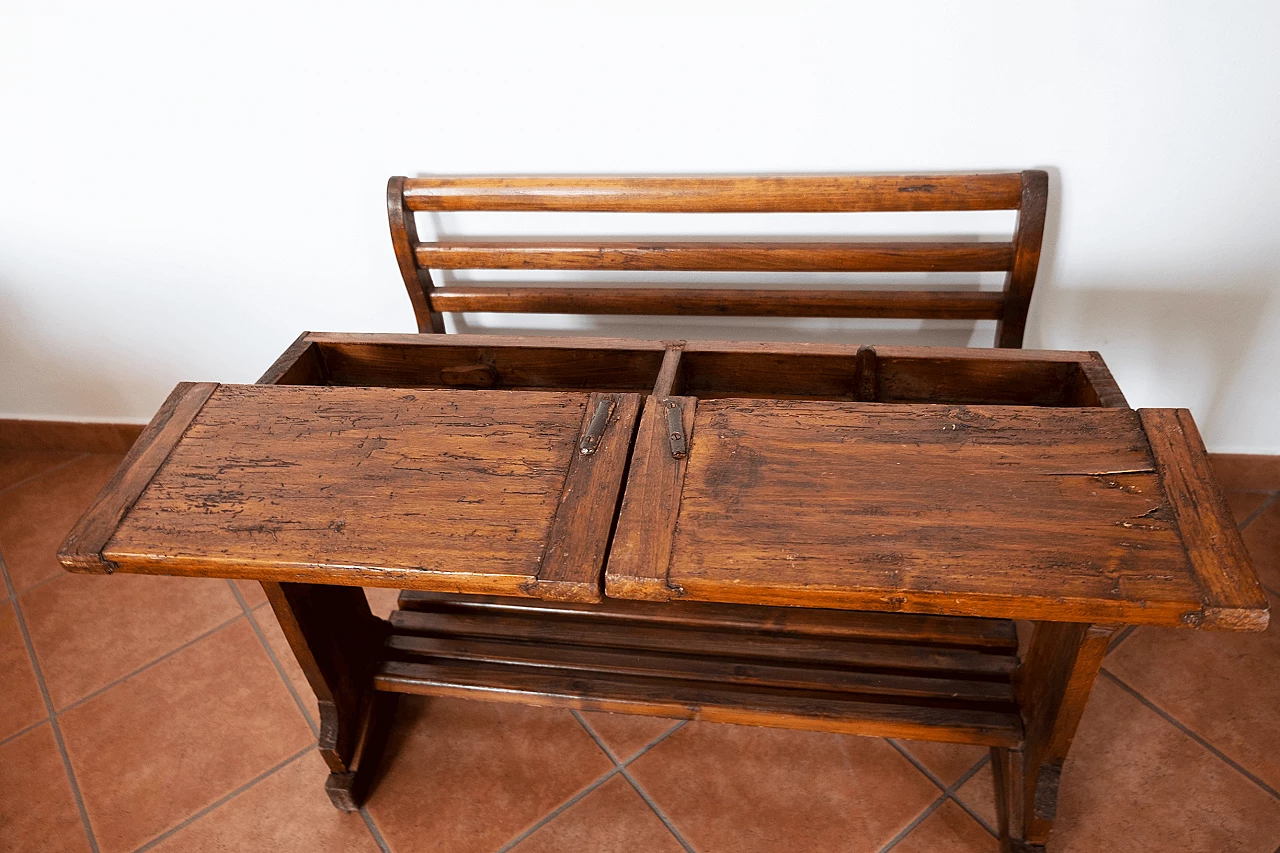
x: 1013, y: 511
x: 715, y: 193
x: 437, y: 489
x: 82, y: 549
x: 1233, y: 598
x: 707, y: 302
x: 724, y: 256
x: 641, y: 550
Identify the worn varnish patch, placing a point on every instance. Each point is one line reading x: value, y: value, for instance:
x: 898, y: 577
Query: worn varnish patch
x: 929, y: 507
x: 367, y: 482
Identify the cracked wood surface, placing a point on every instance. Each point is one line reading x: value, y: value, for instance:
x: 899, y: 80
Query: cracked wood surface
x: 1015, y: 511
x: 445, y: 490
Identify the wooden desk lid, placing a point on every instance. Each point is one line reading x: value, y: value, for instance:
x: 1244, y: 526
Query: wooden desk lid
x: 464, y: 491
x: 1083, y: 514
x: 1064, y: 514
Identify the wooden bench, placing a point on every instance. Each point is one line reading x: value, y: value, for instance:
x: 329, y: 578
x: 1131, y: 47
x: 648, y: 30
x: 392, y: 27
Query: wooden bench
x: 1026, y: 192
x: 822, y: 537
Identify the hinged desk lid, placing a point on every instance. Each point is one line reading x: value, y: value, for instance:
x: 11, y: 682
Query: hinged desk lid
x: 503, y: 492
x: 1031, y: 512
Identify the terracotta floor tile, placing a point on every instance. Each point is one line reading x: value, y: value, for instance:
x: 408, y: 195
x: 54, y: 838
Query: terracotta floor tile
x: 1135, y: 783
x: 1262, y: 537
x: 89, y: 630
x: 18, y: 465
x: 1243, y: 504
x: 287, y: 811
x: 949, y: 829
x: 979, y: 794
x: 627, y: 734
x: 947, y: 761
x: 252, y: 593
x: 462, y: 776
x: 1246, y: 472
x: 742, y: 789
x: 381, y: 600
x: 37, y: 808
x: 36, y: 516
x: 21, y: 703
x: 611, y: 819
x: 1199, y: 679
x: 271, y: 630
x: 158, y: 747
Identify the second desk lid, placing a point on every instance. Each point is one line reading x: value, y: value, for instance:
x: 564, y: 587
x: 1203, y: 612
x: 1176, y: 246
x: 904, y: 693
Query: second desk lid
x: 502, y: 492
x: 1083, y: 514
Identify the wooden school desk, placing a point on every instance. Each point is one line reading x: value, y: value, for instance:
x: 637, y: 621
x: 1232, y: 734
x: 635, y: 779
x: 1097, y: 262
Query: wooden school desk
x: 814, y: 537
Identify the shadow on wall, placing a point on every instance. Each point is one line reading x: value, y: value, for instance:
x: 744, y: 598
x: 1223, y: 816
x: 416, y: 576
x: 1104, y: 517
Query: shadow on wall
x: 1185, y: 346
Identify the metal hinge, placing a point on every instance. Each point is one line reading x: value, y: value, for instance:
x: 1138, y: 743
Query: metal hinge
x: 595, y: 430
x: 675, y: 430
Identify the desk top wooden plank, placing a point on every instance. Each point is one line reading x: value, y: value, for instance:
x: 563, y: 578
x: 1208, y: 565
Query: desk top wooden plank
x: 1021, y: 512
x: 441, y: 490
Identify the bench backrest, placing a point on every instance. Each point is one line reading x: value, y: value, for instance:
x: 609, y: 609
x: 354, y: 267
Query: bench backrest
x: 1025, y: 192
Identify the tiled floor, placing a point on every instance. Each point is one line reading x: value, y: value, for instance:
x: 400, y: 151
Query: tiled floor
x: 163, y: 714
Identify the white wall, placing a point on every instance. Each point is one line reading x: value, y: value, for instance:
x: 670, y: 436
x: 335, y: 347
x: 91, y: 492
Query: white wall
x: 181, y: 194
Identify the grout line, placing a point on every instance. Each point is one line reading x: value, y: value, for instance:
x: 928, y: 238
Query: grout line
x: 40, y: 474
x: 22, y: 731
x: 948, y: 793
x: 1259, y: 511
x: 955, y: 798
x: 1189, y: 733
x: 1120, y: 638
x: 275, y: 661
x: 951, y: 792
x: 216, y: 803
x: 563, y: 807
x: 621, y: 767
x: 48, y: 709
x: 644, y: 795
x: 609, y: 752
x: 374, y: 831
x: 617, y: 768
x: 43, y: 581
x: 919, y: 819
x: 104, y: 688
x: 918, y: 764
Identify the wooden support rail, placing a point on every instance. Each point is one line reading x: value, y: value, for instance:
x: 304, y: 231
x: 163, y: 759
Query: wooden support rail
x: 534, y: 299
x: 739, y: 257
x: 718, y: 194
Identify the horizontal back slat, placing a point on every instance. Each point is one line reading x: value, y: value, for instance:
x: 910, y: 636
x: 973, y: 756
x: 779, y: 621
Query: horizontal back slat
x: 670, y: 301
x: 745, y: 257
x: 718, y: 194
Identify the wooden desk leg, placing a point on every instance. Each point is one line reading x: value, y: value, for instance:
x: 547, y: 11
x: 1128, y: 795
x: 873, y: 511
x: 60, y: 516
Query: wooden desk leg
x: 336, y: 639
x: 1053, y: 686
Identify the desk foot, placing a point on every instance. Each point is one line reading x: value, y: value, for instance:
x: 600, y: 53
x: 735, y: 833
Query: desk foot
x: 349, y: 789
x: 337, y: 642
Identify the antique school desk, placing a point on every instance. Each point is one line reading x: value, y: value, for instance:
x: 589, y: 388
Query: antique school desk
x: 808, y: 536
x: 815, y: 537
